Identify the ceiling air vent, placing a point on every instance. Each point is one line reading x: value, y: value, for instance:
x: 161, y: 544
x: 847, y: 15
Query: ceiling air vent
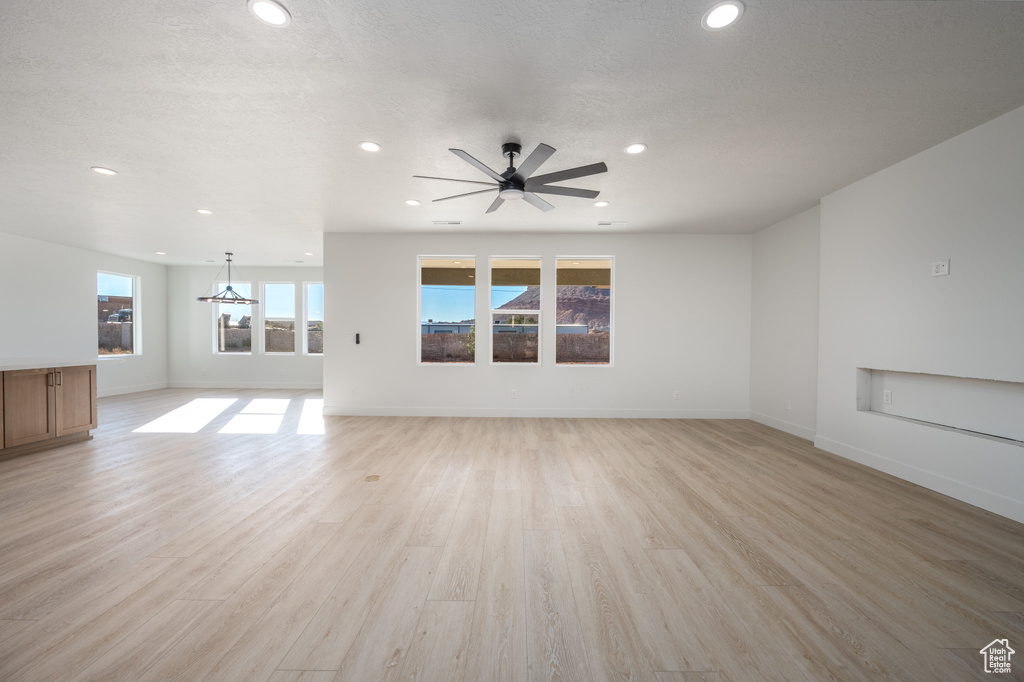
x: 612, y: 223
x: 446, y: 222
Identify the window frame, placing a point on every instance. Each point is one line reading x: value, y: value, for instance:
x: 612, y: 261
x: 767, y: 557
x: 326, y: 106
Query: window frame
x: 611, y: 312
x: 419, y: 308
x: 305, y: 317
x: 491, y: 312
x: 215, y: 316
x: 136, y: 315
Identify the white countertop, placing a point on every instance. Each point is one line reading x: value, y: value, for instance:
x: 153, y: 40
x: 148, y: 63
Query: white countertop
x: 7, y: 364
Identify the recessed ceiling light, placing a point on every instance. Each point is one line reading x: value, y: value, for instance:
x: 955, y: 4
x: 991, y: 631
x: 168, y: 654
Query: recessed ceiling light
x: 635, y: 148
x: 104, y: 171
x: 204, y: 211
x: 270, y: 12
x: 600, y: 204
x: 160, y: 253
x: 369, y: 146
x: 307, y: 253
x: 723, y: 15
x: 413, y: 202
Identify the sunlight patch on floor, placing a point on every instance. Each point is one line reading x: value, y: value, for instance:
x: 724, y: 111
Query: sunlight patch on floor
x: 260, y: 416
x: 311, y: 422
x: 189, y: 418
x: 266, y: 406
x: 253, y: 423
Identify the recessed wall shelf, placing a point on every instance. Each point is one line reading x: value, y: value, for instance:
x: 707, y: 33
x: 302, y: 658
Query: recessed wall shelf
x: 978, y: 407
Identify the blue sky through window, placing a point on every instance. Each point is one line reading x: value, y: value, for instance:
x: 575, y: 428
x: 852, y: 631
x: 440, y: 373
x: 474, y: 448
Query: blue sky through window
x: 502, y: 295
x: 450, y: 303
x: 447, y: 303
x: 315, y: 302
x: 113, y: 285
x: 279, y: 301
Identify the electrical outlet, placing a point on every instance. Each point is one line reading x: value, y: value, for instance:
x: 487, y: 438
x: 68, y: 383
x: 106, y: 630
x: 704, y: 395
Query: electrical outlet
x: 940, y: 268
x: 675, y: 395
x: 515, y: 394
x: 789, y: 406
x: 887, y: 397
x: 353, y: 393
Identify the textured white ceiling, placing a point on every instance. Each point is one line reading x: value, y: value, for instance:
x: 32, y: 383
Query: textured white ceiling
x: 199, y: 105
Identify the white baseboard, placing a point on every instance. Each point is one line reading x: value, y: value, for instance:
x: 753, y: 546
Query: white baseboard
x: 577, y: 413
x: 245, y: 384
x: 137, y: 388
x: 782, y: 425
x: 979, y: 497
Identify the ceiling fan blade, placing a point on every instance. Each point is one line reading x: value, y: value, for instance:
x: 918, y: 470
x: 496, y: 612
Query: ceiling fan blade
x: 570, y: 174
x: 535, y: 200
x: 477, y: 164
x: 467, y: 194
x: 538, y: 156
x: 475, y: 182
x: 565, y: 191
x: 498, y: 201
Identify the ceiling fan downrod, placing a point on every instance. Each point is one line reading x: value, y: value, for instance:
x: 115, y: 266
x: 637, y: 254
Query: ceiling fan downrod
x: 511, y: 150
x: 511, y: 188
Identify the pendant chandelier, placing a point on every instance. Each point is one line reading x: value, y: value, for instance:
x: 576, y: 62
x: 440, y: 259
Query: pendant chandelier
x: 228, y: 295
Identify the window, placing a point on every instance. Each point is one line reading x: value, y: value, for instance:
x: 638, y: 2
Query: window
x: 315, y: 318
x: 583, y: 311
x: 234, y: 321
x: 447, y: 310
x: 279, y: 317
x: 115, y: 298
x: 515, y: 310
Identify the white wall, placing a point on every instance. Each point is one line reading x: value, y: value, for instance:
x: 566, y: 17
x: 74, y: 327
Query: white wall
x: 784, y: 325
x: 48, y: 311
x: 881, y: 309
x: 681, y: 323
x: 192, y: 362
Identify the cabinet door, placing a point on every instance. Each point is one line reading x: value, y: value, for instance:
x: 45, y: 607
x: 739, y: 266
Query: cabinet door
x: 76, y: 399
x: 2, y: 446
x: 29, y: 410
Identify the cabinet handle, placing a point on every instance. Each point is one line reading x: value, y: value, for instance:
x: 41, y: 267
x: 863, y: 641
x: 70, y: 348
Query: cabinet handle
x: 60, y: 378
x: 49, y: 378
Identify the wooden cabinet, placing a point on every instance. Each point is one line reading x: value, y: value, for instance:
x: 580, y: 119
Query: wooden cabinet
x: 47, y: 404
x: 29, y: 414
x: 75, y: 399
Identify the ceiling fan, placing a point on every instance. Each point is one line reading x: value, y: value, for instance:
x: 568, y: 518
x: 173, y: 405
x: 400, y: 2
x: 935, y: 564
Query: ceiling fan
x: 520, y: 183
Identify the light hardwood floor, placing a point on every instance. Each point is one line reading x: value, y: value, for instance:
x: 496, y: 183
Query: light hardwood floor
x: 488, y: 549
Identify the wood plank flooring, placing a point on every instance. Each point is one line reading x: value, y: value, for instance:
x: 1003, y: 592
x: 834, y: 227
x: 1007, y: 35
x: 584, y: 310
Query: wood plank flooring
x: 487, y: 549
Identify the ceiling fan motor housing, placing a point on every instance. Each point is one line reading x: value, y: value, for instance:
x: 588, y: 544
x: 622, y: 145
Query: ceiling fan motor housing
x: 511, y: 189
